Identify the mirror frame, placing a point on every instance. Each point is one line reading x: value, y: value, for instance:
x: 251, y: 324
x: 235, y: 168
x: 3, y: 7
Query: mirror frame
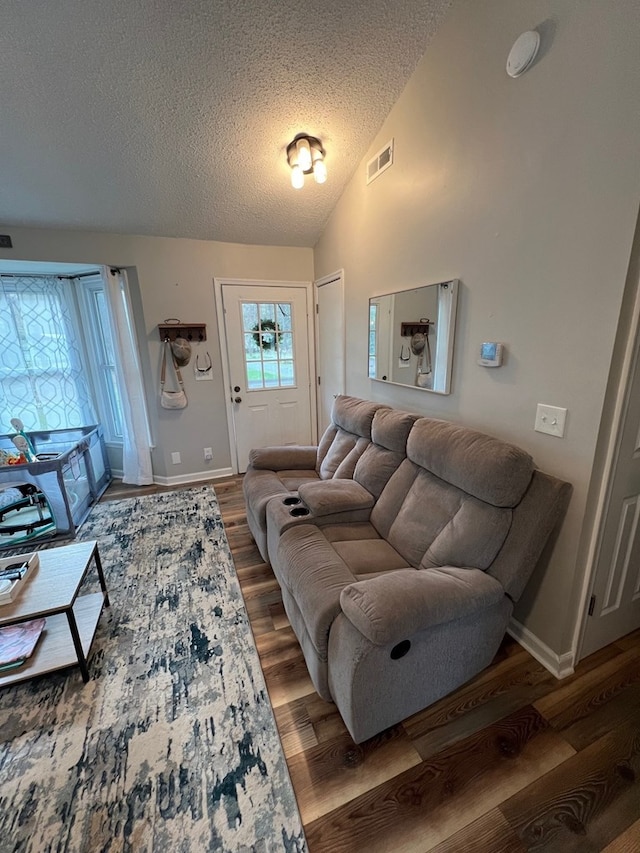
x: 445, y: 335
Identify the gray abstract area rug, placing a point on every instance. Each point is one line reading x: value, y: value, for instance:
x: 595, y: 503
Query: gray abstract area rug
x: 172, y: 744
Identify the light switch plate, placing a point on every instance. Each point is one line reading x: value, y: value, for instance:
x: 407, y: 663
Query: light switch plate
x: 550, y: 419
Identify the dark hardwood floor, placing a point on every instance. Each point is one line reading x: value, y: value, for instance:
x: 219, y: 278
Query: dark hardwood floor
x: 513, y: 761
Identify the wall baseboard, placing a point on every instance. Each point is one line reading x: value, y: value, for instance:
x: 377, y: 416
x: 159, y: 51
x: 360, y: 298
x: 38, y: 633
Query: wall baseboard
x: 198, y: 477
x: 559, y: 665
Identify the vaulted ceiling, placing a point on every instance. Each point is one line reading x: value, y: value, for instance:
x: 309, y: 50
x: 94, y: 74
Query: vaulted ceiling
x: 172, y: 118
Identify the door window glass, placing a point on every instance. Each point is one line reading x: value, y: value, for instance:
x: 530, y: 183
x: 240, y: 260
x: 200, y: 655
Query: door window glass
x: 267, y: 332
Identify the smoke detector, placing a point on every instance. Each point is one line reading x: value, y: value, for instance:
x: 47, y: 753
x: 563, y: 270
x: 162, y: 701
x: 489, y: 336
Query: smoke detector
x: 523, y: 53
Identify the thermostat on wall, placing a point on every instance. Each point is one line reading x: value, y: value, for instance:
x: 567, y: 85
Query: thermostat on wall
x: 490, y: 354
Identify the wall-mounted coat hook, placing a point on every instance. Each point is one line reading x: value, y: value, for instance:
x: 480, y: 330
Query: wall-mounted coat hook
x: 408, y: 330
x: 173, y: 328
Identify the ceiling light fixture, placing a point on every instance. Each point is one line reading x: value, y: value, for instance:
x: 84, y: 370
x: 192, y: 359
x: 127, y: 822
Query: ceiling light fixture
x: 305, y: 156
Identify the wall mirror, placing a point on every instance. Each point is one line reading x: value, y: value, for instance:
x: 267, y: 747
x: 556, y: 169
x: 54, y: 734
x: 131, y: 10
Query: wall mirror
x: 411, y: 336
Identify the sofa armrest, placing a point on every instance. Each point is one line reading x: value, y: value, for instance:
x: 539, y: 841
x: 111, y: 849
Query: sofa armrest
x: 287, y: 458
x: 391, y: 607
x: 328, y: 497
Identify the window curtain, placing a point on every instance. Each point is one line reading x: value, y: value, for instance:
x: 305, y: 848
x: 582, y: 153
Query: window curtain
x: 42, y: 375
x: 136, y: 445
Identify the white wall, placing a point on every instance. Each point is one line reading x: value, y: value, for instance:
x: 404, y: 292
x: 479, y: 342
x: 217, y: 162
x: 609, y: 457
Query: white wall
x: 527, y: 191
x: 175, y: 279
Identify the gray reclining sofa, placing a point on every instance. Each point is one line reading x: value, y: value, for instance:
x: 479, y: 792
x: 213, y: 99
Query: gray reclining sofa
x: 400, y: 545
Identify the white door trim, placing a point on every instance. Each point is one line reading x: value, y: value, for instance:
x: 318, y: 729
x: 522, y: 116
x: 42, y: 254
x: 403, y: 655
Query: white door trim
x: 611, y: 453
x: 224, y: 353
x: 338, y: 275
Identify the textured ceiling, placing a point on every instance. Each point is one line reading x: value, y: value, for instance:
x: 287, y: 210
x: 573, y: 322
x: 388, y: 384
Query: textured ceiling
x: 171, y: 117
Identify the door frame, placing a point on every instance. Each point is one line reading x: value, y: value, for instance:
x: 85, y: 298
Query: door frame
x: 218, y: 284
x: 338, y: 275
x: 630, y: 346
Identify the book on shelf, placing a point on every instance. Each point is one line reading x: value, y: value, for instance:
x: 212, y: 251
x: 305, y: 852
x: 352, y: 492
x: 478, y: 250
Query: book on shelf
x: 14, y: 572
x: 17, y: 642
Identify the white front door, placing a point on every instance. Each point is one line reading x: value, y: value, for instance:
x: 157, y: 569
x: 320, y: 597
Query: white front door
x: 615, y: 605
x: 266, y: 330
x: 330, y: 345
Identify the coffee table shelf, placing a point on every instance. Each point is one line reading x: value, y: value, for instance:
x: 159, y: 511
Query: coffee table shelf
x: 52, y: 591
x: 55, y: 648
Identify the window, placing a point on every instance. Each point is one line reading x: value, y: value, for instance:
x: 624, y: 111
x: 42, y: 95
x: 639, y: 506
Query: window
x: 101, y: 355
x: 48, y: 378
x: 268, y: 345
x: 373, y: 333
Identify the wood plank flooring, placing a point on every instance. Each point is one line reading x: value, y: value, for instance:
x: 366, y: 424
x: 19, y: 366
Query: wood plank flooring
x: 513, y: 761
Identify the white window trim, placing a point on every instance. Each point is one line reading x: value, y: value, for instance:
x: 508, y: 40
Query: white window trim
x: 85, y: 293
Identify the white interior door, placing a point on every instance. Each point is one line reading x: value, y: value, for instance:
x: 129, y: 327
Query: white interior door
x: 615, y: 605
x: 269, y: 371
x: 330, y: 345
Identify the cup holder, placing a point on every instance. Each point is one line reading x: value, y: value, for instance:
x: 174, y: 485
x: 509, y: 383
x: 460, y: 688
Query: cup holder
x: 291, y: 501
x: 298, y: 511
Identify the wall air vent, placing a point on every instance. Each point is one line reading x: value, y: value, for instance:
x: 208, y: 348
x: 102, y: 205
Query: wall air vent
x: 377, y: 165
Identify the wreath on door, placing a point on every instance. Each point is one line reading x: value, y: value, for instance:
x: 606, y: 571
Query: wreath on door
x: 266, y: 341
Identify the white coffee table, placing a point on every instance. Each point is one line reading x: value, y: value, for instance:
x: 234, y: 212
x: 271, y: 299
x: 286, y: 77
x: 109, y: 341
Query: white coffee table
x: 51, y: 590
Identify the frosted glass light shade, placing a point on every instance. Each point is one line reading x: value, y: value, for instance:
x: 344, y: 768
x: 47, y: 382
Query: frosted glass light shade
x: 304, y: 155
x: 319, y: 172
x: 297, y: 177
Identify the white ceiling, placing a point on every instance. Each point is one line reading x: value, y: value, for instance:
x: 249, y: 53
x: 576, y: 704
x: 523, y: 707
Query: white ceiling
x: 171, y: 117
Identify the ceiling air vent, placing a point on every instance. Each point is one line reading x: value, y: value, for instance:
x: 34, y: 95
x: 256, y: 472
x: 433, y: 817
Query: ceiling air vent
x: 377, y: 165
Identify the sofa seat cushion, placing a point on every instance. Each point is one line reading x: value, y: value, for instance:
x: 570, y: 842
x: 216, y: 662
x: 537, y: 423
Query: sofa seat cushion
x: 260, y: 485
x: 292, y: 480
x: 363, y: 550
x: 369, y: 556
x: 349, y: 532
x: 315, y: 571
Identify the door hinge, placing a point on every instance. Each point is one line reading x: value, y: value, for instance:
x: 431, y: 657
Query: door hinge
x: 592, y: 604
x: 318, y: 380
x: 317, y: 308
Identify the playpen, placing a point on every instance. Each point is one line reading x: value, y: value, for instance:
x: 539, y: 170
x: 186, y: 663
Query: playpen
x: 50, y: 498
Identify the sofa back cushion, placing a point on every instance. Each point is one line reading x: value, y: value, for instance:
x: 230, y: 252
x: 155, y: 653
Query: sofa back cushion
x: 491, y: 470
x: 450, y: 502
x: 346, y: 438
x: 388, y: 448
x: 433, y: 523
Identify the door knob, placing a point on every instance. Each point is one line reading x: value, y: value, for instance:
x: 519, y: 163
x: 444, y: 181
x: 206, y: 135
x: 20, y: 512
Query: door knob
x: 237, y: 399
x: 236, y: 388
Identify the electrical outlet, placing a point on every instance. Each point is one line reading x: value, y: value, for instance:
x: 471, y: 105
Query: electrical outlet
x: 175, y: 458
x: 208, y: 454
x: 550, y: 419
